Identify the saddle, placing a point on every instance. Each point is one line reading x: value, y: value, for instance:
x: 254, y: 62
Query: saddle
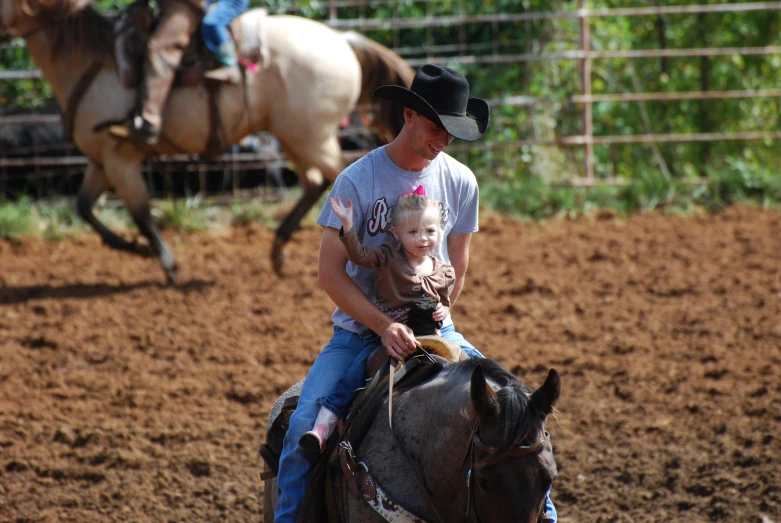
x: 136, y: 22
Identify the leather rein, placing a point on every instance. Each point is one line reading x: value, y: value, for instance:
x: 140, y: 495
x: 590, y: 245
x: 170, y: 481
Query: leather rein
x: 364, y: 486
x: 475, y: 441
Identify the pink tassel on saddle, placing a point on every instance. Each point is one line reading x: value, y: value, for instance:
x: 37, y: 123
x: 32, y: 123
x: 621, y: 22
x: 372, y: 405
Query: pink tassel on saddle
x: 418, y: 190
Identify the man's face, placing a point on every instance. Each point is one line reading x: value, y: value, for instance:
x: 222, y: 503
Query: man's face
x: 427, y: 139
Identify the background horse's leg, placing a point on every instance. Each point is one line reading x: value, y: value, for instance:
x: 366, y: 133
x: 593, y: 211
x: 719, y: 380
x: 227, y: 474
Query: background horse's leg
x: 317, y: 166
x: 290, y: 223
x: 124, y: 176
x: 93, y: 185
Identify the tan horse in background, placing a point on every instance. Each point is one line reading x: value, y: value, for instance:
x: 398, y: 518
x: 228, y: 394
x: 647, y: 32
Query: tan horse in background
x: 313, y: 76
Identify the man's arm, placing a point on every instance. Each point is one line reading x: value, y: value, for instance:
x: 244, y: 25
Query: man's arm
x: 397, y: 338
x: 458, y: 251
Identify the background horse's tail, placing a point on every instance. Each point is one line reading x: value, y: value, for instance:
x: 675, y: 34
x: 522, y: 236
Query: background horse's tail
x: 380, y: 66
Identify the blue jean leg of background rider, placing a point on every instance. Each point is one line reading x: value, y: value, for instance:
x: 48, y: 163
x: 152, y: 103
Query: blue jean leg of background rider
x: 219, y: 14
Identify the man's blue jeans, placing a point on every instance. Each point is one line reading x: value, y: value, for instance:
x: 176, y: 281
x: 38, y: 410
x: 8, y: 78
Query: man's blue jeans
x: 295, y: 470
x: 219, y: 14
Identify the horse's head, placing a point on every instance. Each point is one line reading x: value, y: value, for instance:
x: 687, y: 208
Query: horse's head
x: 509, y: 464
x: 468, y: 443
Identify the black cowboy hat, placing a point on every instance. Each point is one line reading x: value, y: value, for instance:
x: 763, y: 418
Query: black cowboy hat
x: 441, y: 94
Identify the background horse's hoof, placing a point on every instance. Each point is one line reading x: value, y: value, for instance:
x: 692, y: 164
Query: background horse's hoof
x: 171, y: 276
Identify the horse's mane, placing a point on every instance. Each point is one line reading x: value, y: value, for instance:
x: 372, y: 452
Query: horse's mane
x: 77, y: 24
x: 518, y: 416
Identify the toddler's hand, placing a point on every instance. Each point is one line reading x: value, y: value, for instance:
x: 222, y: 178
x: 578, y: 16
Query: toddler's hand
x: 345, y: 214
x: 440, y: 312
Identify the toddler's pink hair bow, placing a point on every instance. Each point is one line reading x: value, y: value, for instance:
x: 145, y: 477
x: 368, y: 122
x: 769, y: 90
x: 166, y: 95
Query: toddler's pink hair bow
x: 418, y: 190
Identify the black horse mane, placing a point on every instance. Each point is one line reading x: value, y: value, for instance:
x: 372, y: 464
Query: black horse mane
x: 518, y: 416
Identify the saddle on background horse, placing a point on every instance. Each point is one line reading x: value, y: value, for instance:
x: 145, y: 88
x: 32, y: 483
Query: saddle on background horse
x: 351, y: 430
x: 134, y: 26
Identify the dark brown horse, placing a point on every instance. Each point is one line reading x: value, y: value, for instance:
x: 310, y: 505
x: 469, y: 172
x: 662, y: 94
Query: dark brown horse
x: 467, y: 443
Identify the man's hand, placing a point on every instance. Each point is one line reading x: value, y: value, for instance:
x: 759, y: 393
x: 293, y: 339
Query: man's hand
x: 345, y: 214
x: 399, y: 340
x: 440, y: 312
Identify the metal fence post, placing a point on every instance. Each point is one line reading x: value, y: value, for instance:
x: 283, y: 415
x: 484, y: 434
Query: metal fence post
x: 585, y: 44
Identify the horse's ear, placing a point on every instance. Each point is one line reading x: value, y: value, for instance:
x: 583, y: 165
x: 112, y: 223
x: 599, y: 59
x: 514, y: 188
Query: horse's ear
x: 546, y: 397
x: 484, y: 399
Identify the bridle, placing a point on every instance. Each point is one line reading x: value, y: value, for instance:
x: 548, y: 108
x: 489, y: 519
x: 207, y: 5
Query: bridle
x: 517, y: 450
x: 474, y: 441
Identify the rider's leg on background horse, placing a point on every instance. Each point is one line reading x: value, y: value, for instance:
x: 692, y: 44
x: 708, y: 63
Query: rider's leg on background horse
x: 295, y: 469
x: 124, y: 175
x: 450, y: 333
x: 177, y: 23
x: 317, y: 166
x: 217, y: 38
x: 93, y: 185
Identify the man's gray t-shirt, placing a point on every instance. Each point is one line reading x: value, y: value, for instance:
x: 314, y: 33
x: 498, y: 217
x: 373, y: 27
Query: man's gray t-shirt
x: 374, y: 183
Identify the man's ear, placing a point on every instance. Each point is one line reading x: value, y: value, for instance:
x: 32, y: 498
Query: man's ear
x: 408, y: 113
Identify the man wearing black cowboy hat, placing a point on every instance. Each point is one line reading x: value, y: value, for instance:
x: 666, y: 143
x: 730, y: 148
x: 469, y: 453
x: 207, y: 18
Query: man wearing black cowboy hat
x: 437, y: 108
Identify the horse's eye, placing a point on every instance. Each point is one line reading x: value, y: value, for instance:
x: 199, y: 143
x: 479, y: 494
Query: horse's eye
x: 488, y: 482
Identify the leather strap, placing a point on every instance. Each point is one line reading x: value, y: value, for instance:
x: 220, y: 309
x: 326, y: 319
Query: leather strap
x: 68, y: 117
x: 364, y: 486
x: 391, y: 511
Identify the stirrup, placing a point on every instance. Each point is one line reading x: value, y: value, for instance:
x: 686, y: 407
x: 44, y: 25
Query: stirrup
x: 135, y: 128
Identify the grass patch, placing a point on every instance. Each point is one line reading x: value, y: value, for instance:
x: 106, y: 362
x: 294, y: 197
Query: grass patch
x: 741, y: 182
x: 271, y: 214
x: 185, y: 216
x: 244, y: 213
x: 528, y: 198
x: 58, y: 222
x: 16, y: 219
x: 736, y: 182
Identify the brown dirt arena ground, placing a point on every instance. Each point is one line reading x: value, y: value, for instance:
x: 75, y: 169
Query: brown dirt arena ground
x: 125, y: 400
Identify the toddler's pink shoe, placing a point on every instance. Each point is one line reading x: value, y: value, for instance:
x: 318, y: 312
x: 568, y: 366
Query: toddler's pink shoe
x: 313, y: 442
